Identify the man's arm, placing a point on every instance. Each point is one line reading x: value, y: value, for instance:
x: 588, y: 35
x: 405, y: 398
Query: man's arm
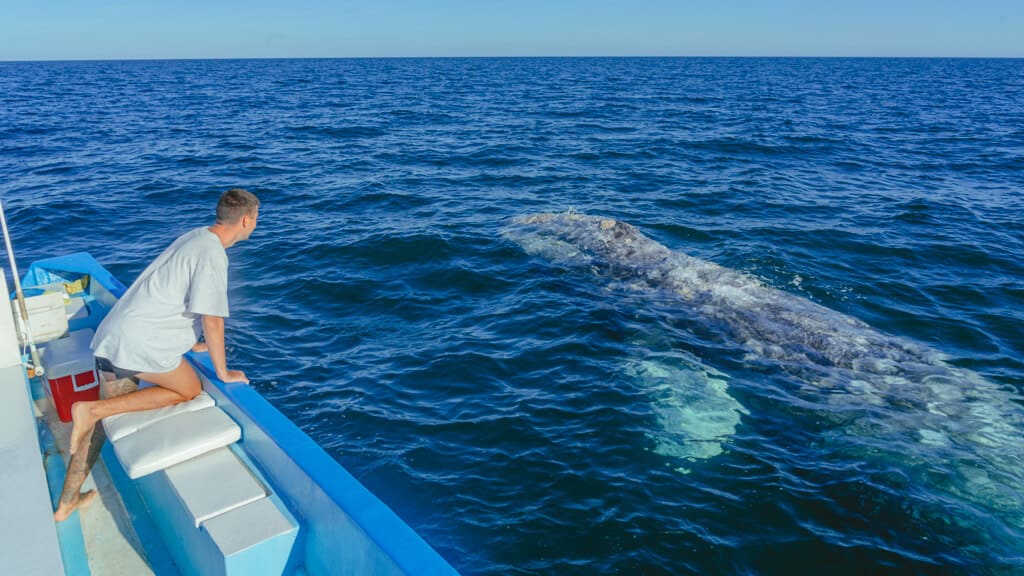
x: 213, y: 330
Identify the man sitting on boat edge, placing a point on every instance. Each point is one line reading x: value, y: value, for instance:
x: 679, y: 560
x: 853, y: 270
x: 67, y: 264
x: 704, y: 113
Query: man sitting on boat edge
x: 146, y: 334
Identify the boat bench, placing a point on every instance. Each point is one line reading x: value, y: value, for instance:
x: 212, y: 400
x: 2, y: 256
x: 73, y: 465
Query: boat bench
x: 215, y: 515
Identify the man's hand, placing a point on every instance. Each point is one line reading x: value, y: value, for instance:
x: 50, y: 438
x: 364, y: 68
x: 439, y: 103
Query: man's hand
x: 200, y: 347
x: 213, y: 331
x: 233, y: 376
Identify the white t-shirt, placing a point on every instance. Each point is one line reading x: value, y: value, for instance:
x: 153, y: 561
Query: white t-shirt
x: 158, y: 318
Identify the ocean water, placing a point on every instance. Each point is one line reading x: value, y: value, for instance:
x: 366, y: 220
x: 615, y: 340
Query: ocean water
x: 531, y: 414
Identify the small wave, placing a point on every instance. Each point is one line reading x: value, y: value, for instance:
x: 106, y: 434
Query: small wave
x: 338, y: 132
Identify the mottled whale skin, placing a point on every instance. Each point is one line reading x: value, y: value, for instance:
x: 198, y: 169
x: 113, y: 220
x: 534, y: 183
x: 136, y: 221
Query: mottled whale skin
x: 961, y: 432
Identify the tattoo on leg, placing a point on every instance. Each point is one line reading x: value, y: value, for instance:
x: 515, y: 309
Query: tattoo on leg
x: 118, y: 387
x: 81, y: 463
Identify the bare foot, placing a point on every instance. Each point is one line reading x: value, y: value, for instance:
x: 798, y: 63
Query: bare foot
x: 80, y: 501
x: 82, y: 423
x: 200, y: 347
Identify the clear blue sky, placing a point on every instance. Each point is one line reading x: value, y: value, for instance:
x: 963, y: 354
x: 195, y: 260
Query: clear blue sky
x: 116, y: 29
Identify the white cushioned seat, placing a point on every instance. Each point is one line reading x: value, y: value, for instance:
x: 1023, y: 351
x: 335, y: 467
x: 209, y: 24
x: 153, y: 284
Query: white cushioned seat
x: 175, y: 439
x: 120, y: 425
x: 212, y: 484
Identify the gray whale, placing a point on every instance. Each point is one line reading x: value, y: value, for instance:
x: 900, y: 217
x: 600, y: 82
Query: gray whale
x: 953, y: 429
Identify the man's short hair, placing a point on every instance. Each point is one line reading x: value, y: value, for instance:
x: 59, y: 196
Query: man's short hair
x: 234, y: 204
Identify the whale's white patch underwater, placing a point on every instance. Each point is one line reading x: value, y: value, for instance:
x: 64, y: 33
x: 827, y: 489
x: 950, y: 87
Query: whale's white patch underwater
x: 695, y: 413
x: 948, y: 426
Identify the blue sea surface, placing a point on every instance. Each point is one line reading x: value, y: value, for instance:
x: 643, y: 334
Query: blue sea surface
x: 505, y: 405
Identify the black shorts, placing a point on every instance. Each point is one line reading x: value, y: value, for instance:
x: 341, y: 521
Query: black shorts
x: 104, y: 365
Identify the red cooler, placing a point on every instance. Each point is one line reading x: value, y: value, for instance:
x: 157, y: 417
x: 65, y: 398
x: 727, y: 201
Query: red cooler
x: 70, y: 370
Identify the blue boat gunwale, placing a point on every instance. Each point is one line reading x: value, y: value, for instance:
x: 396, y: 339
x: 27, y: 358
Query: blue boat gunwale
x: 396, y: 539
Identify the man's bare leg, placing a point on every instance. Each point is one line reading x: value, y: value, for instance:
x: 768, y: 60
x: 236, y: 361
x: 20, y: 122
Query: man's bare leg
x: 82, y: 462
x: 78, y: 469
x: 172, y: 387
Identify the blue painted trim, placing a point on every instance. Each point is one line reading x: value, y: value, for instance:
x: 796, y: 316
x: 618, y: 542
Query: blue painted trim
x: 69, y: 532
x: 81, y: 262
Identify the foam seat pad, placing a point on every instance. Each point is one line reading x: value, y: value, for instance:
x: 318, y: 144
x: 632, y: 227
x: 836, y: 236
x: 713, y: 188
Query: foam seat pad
x: 175, y: 439
x: 120, y: 425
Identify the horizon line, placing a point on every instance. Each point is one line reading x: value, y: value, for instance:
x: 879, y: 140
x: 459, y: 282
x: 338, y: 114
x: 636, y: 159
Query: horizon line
x: 499, y: 57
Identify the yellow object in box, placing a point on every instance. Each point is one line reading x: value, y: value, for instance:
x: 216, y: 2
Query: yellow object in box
x: 80, y: 285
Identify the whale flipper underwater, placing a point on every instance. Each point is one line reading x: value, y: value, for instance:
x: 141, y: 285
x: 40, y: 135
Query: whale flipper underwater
x: 963, y: 432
